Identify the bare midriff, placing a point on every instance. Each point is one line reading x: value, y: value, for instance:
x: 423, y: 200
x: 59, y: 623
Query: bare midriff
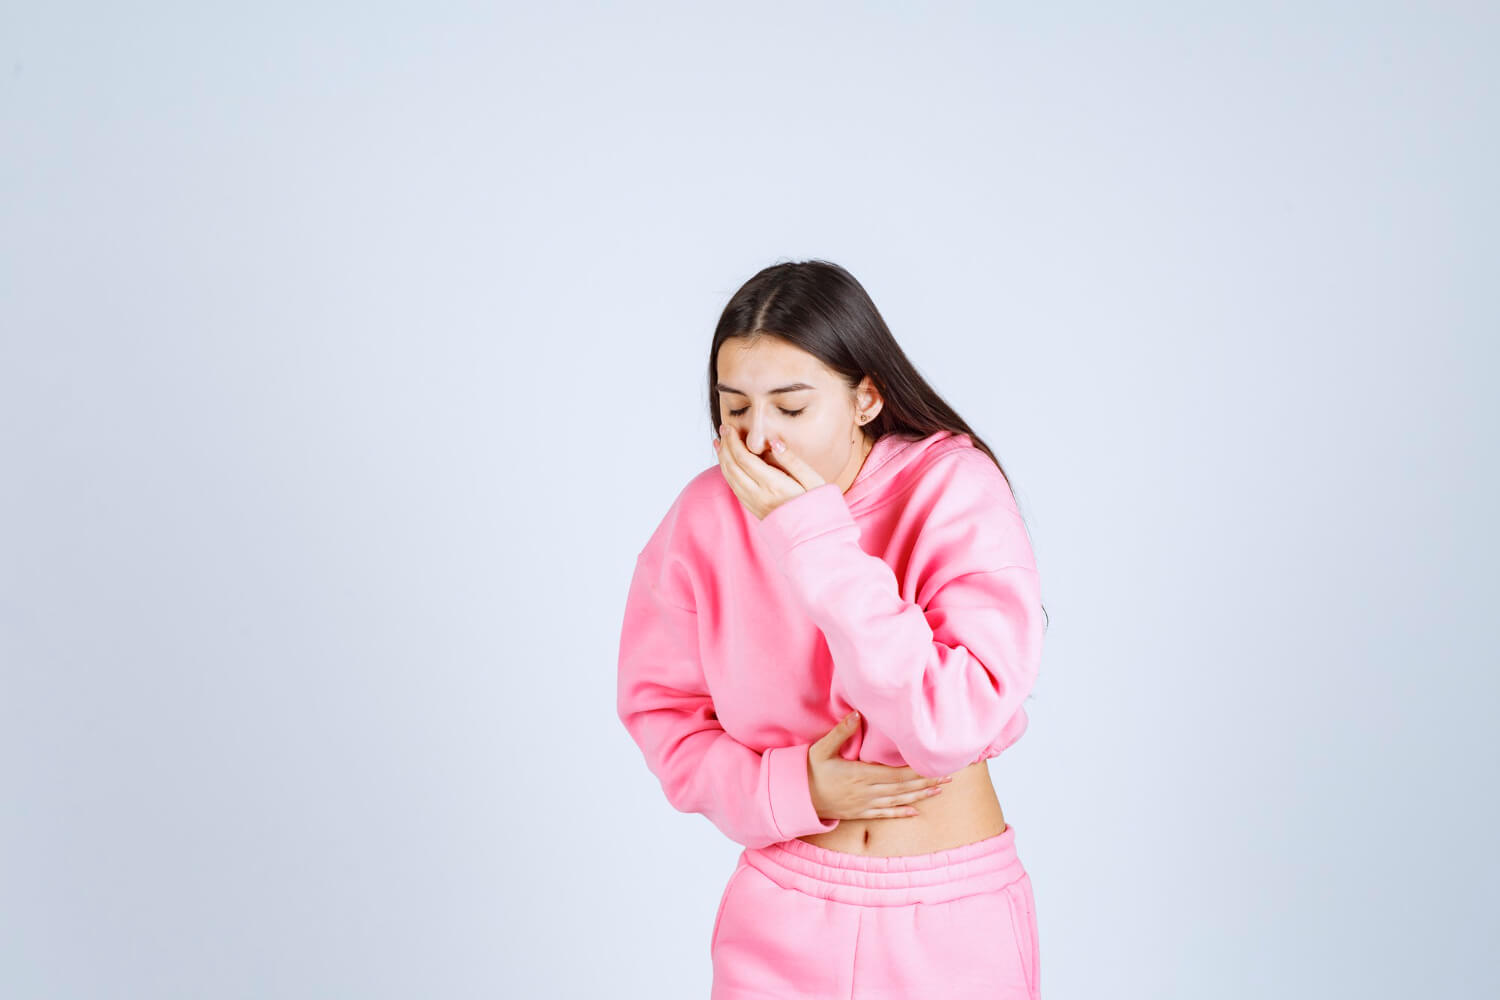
x: 965, y: 811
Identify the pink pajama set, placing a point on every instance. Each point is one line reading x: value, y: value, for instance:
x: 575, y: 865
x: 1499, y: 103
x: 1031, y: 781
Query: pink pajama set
x: 912, y: 597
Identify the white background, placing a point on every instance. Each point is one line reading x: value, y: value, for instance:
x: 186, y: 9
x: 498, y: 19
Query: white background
x: 350, y: 352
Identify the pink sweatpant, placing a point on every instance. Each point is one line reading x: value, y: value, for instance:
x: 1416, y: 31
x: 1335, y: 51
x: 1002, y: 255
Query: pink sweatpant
x: 800, y: 921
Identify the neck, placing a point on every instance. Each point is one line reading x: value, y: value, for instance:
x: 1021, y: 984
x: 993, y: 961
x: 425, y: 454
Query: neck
x: 864, y: 447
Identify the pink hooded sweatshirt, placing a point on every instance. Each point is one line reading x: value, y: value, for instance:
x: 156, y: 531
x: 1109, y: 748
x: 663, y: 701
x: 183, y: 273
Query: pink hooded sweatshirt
x: 913, y: 597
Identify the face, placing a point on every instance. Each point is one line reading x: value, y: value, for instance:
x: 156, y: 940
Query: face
x: 820, y: 419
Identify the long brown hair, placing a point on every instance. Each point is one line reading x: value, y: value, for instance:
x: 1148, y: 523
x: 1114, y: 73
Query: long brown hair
x: 819, y: 307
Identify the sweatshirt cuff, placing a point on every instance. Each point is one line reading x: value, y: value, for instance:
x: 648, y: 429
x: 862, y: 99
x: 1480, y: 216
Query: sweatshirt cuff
x: 792, y: 810
x: 819, y: 510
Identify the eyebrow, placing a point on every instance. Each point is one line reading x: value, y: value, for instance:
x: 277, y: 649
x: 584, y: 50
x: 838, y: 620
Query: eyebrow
x: 794, y: 387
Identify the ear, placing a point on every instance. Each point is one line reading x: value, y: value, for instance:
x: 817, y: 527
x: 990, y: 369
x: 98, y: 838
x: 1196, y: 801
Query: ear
x: 867, y: 401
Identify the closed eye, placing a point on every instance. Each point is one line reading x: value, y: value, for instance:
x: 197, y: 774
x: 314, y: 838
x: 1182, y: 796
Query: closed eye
x: 790, y: 413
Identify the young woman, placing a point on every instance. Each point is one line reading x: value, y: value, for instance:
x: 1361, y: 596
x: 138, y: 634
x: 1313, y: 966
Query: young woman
x: 825, y: 639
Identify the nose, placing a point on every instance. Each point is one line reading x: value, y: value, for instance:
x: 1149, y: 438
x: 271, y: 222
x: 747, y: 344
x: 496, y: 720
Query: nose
x: 755, y: 432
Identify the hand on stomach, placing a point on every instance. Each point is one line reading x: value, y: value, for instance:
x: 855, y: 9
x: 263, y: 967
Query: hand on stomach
x: 874, y: 803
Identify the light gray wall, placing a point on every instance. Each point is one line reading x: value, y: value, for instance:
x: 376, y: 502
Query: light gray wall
x: 349, y: 353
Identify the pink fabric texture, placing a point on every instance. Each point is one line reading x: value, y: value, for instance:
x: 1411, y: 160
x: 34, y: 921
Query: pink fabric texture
x: 800, y: 921
x: 913, y: 597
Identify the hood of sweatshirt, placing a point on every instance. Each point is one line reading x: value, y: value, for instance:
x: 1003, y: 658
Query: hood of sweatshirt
x: 895, y: 463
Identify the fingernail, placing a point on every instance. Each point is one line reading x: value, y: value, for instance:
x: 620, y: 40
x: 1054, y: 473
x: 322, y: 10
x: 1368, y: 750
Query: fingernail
x: 778, y: 447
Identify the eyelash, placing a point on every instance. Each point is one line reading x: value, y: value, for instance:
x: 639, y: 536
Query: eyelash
x: 790, y: 413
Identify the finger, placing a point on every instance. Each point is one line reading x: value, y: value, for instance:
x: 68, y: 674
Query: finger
x: 898, y: 813
x: 742, y: 484
x: 743, y: 459
x: 726, y: 455
x: 729, y: 460
x: 767, y: 478
x: 835, y: 737
x: 909, y: 797
x: 876, y: 773
x: 721, y: 452
x: 894, y: 772
x: 916, y: 784
x: 807, y: 477
x: 728, y: 437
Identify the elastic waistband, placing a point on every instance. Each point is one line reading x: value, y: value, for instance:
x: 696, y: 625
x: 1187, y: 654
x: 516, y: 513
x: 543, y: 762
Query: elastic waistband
x: 987, y: 864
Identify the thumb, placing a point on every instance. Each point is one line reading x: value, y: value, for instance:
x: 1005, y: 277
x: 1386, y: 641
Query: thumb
x: 836, y: 737
x: 795, y: 467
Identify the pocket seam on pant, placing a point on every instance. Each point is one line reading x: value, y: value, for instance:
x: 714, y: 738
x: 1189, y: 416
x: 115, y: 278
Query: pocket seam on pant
x: 1021, y: 931
x: 713, y: 938
x: 1036, y: 947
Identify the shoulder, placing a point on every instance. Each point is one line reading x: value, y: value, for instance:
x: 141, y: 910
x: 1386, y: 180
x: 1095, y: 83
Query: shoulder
x: 965, y: 479
x: 674, y: 553
x: 697, y: 508
x: 966, y: 512
x: 702, y: 501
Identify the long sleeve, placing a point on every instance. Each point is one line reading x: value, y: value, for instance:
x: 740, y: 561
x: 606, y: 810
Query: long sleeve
x: 941, y: 675
x: 754, y: 798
